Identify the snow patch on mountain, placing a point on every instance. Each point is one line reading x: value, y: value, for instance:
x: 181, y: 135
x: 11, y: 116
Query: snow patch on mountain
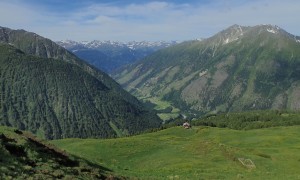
x: 200, y: 39
x: 232, y: 34
x: 226, y: 41
x: 229, y: 40
x: 297, y: 39
x: 271, y: 31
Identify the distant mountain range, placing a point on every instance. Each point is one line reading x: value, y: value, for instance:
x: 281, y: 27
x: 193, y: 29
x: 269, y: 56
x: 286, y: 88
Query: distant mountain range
x: 240, y: 68
x: 111, y: 55
x: 49, y: 91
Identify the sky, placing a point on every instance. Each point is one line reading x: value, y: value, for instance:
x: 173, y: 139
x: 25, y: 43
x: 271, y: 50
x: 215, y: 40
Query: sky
x: 138, y: 20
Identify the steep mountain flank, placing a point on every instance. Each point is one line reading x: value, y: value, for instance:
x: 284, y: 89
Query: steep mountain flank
x: 240, y: 68
x: 33, y: 44
x: 56, y: 95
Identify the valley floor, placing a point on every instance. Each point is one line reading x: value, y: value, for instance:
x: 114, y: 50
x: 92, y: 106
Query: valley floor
x: 197, y: 153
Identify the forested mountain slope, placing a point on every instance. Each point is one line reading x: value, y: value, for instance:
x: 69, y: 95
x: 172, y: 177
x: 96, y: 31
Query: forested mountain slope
x: 56, y: 95
x: 240, y: 68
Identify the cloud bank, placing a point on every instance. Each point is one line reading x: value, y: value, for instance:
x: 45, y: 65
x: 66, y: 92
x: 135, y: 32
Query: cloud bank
x: 149, y: 20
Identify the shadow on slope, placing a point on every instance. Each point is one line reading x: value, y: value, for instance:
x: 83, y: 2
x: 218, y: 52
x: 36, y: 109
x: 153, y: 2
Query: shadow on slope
x: 24, y: 156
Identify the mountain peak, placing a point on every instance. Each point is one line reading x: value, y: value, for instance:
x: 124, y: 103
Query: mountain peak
x: 230, y: 34
x: 238, y: 29
x: 276, y: 30
x: 94, y: 44
x: 271, y: 28
x: 236, y: 32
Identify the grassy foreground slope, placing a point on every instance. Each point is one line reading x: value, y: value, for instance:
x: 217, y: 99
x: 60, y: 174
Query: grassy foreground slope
x: 23, y: 156
x: 197, y: 153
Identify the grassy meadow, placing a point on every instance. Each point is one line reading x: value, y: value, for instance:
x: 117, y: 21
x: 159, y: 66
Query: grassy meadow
x: 197, y: 153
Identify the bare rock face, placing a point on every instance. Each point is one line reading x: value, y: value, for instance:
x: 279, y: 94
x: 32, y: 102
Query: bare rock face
x: 294, y: 100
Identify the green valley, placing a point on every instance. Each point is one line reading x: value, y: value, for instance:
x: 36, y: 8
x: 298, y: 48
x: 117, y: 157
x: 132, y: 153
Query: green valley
x: 197, y: 153
x: 149, y: 90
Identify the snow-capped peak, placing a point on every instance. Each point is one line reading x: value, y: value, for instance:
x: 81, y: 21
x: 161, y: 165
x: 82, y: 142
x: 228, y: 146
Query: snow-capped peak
x: 70, y: 42
x: 132, y: 44
x: 273, y: 29
x: 149, y: 44
x: 97, y: 44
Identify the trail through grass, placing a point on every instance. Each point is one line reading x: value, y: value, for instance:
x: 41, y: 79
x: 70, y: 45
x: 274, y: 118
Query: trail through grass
x: 198, y: 153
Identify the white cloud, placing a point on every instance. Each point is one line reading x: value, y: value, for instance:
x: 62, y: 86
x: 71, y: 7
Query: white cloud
x: 150, y: 21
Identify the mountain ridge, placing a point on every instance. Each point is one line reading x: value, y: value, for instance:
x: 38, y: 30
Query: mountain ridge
x: 131, y: 44
x: 230, y: 71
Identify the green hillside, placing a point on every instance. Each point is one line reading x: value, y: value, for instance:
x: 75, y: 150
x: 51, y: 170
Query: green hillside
x: 56, y: 95
x: 240, y: 68
x: 33, y: 44
x: 197, y: 153
x: 22, y: 156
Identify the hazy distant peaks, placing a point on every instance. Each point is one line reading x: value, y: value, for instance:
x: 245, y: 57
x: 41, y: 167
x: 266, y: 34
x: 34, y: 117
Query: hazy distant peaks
x: 132, y: 44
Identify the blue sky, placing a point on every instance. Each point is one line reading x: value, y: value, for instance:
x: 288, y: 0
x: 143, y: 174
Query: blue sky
x: 129, y: 20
